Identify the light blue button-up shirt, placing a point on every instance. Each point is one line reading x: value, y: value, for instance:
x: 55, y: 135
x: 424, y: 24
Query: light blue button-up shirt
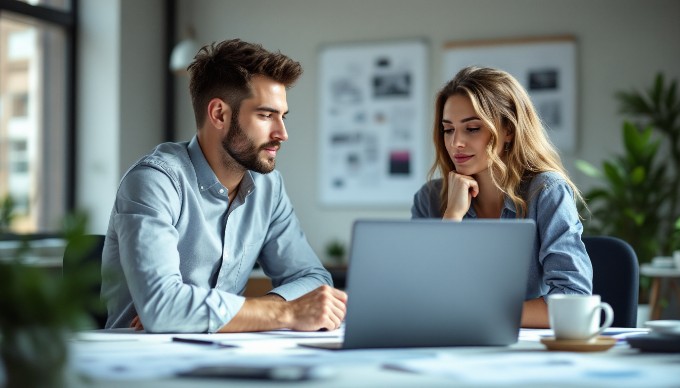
x: 561, y: 264
x: 179, y: 256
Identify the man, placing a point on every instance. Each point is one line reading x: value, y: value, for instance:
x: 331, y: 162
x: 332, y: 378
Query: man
x: 191, y: 219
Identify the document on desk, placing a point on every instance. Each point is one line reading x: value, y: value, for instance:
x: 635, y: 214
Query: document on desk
x: 124, y: 354
x: 130, y: 334
x: 541, y: 368
x: 338, y: 333
x: 143, y: 359
x: 130, y: 354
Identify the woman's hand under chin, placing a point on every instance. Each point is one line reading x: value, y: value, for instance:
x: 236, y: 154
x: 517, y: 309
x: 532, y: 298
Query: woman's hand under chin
x: 462, y: 189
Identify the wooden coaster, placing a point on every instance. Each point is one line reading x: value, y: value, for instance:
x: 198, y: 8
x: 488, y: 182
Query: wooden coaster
x: 599, y: 344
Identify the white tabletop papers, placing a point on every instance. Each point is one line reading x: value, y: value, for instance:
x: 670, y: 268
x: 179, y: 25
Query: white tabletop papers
x: 122, y: 355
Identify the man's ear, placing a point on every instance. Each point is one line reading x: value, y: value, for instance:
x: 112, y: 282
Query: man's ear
x: 219, y: 114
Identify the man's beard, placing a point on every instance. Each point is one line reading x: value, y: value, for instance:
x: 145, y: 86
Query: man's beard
x: 244, y: 151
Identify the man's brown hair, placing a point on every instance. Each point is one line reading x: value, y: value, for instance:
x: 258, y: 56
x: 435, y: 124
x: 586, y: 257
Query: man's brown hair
x: 224, y: 70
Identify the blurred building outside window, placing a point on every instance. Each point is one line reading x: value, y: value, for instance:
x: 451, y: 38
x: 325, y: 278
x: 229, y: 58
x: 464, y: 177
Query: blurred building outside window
x: 35, y: 99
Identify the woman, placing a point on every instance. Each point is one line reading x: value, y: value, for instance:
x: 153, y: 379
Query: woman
x: 497, y: 162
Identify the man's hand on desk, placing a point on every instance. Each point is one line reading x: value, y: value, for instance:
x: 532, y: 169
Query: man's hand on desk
x: 323, y: 308
x: 136, y: 323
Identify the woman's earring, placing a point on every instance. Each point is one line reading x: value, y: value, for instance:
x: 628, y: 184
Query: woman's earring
x: 507, y: 146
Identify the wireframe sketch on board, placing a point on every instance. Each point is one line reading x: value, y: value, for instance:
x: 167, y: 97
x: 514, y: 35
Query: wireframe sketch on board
x: 372, y: 123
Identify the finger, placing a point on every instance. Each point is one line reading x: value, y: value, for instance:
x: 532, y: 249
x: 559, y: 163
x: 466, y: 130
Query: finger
x: 474, y: 188
x: 333, y: 322
x: 337, y: 307
x: 339, y: 304
x: 337, y: 319
x: 135, y: 321
x: 339, y: 295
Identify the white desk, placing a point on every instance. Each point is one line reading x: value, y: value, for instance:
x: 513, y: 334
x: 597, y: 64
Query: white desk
x: 526, y: 363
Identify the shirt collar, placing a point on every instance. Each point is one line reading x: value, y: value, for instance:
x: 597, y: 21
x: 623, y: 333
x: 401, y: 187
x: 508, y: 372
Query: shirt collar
x: 247, y: 184
x: 508, y: 208
x: 206, y: 177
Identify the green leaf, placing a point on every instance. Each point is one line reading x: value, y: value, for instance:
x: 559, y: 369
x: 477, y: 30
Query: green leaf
x: 656, y: 93
x: 612, y: 173
x: 670, y: 97
x: 637, y: 176
x: 587, y: 168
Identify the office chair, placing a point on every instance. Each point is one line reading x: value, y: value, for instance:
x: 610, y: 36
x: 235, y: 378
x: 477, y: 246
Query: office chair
x: 83, y: 251
x: 615, y: 276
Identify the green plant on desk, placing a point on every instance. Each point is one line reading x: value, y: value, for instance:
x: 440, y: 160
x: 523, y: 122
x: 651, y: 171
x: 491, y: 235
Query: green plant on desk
x: 335, y: 250
x: 39, y: 311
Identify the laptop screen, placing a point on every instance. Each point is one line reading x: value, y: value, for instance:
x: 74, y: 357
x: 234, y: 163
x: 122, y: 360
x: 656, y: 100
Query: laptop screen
x: 429, y: 282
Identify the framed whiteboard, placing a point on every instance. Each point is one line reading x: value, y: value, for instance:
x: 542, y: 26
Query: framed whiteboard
x: 546, y: 67
x: 372, y: 127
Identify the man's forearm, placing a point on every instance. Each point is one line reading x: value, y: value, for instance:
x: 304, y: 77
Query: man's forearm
x: 322, y: 308
x: 263, y: 313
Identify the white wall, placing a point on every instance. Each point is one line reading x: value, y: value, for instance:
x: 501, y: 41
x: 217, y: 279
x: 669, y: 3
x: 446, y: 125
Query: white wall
x: 621, y: 44
x: 142, y: 75
x: 119, y: 96
x: 98, y: 107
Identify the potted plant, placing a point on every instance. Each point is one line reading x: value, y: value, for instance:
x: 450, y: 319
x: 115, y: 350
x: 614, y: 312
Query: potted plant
x: 335, y: 251
x: 638, y: 198
x: 659, y: 109
x: 39, y: 311
x: 633, y: 193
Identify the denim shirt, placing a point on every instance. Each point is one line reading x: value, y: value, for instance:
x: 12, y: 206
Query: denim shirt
x: 179, y: 256
x: 560, y: 264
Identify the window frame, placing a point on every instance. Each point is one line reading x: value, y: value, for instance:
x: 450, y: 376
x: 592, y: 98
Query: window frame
x: 67, y: 21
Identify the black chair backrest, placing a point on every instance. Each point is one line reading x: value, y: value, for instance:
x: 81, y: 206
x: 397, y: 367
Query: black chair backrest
x: 615, y: 276
x: 87, y: 249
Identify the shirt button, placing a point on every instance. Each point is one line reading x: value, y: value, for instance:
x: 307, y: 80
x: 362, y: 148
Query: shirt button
x: 202, y: 187
x: 221, y: 191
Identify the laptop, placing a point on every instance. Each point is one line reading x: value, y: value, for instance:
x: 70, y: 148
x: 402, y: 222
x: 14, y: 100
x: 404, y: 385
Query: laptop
x: 430, y: 283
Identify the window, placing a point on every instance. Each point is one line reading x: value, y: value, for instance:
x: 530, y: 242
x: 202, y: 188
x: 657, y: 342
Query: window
x: 19, y: 105
x: 56, y: 4
x: 36, y: 110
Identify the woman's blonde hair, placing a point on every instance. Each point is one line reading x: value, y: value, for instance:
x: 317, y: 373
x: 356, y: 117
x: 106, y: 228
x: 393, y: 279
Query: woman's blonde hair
x: 500, y: 102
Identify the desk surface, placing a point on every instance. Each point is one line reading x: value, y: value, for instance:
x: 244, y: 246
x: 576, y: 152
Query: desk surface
x: 125, y: 359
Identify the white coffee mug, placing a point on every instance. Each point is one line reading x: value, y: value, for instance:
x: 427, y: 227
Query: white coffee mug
x: 577, y: 317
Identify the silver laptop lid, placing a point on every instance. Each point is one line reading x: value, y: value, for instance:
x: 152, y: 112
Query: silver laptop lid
x: 429, y: 282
